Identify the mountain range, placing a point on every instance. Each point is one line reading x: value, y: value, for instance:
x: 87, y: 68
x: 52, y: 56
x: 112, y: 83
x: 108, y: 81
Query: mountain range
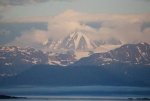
x: 86, y: 62
x: 129, y: 54
x: 14, y: 60
x: 62, y: 52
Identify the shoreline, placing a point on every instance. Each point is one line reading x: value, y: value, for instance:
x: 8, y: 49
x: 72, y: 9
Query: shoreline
x: 70, y: 98
x: 11, y: 97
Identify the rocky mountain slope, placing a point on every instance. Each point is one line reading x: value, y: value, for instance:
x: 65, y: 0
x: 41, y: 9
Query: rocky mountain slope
x: 128, y: 54
x: 14, y: 60
x: 79, y: 40
x: 75, y: 41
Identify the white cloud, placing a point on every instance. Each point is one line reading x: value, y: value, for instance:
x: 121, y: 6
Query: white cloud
x: 125, y: 27
x: 31, y: 38
x: 145, y: 37
x: 67, y: 22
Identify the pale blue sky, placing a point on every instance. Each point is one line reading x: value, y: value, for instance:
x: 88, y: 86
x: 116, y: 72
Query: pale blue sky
x: 51, y: 8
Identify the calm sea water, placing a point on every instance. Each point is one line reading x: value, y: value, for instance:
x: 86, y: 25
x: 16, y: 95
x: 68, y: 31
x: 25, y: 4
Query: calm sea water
x: 75, y: 93
x: 70, y: 99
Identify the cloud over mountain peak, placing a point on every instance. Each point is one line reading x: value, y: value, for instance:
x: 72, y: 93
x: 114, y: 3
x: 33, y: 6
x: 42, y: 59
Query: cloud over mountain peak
x: 128, y: 28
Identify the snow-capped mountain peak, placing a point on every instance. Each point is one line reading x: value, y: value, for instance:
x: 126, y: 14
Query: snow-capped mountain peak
x: 75, y: 41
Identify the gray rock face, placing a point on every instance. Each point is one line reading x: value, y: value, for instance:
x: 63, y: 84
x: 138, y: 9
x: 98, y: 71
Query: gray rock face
x: 75, y: 41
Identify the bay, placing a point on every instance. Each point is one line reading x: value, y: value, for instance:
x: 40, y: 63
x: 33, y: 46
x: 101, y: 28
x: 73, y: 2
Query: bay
x: 75, y: 93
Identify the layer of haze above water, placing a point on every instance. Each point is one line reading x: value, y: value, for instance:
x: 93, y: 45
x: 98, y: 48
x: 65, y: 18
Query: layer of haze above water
x: 75, y: 93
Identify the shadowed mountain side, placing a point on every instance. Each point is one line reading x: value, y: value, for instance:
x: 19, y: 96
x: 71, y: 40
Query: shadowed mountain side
x: 114, y: 75
x: 14, y: 60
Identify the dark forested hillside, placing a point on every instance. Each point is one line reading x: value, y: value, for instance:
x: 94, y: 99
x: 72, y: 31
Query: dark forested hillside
x: 114, y: 75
